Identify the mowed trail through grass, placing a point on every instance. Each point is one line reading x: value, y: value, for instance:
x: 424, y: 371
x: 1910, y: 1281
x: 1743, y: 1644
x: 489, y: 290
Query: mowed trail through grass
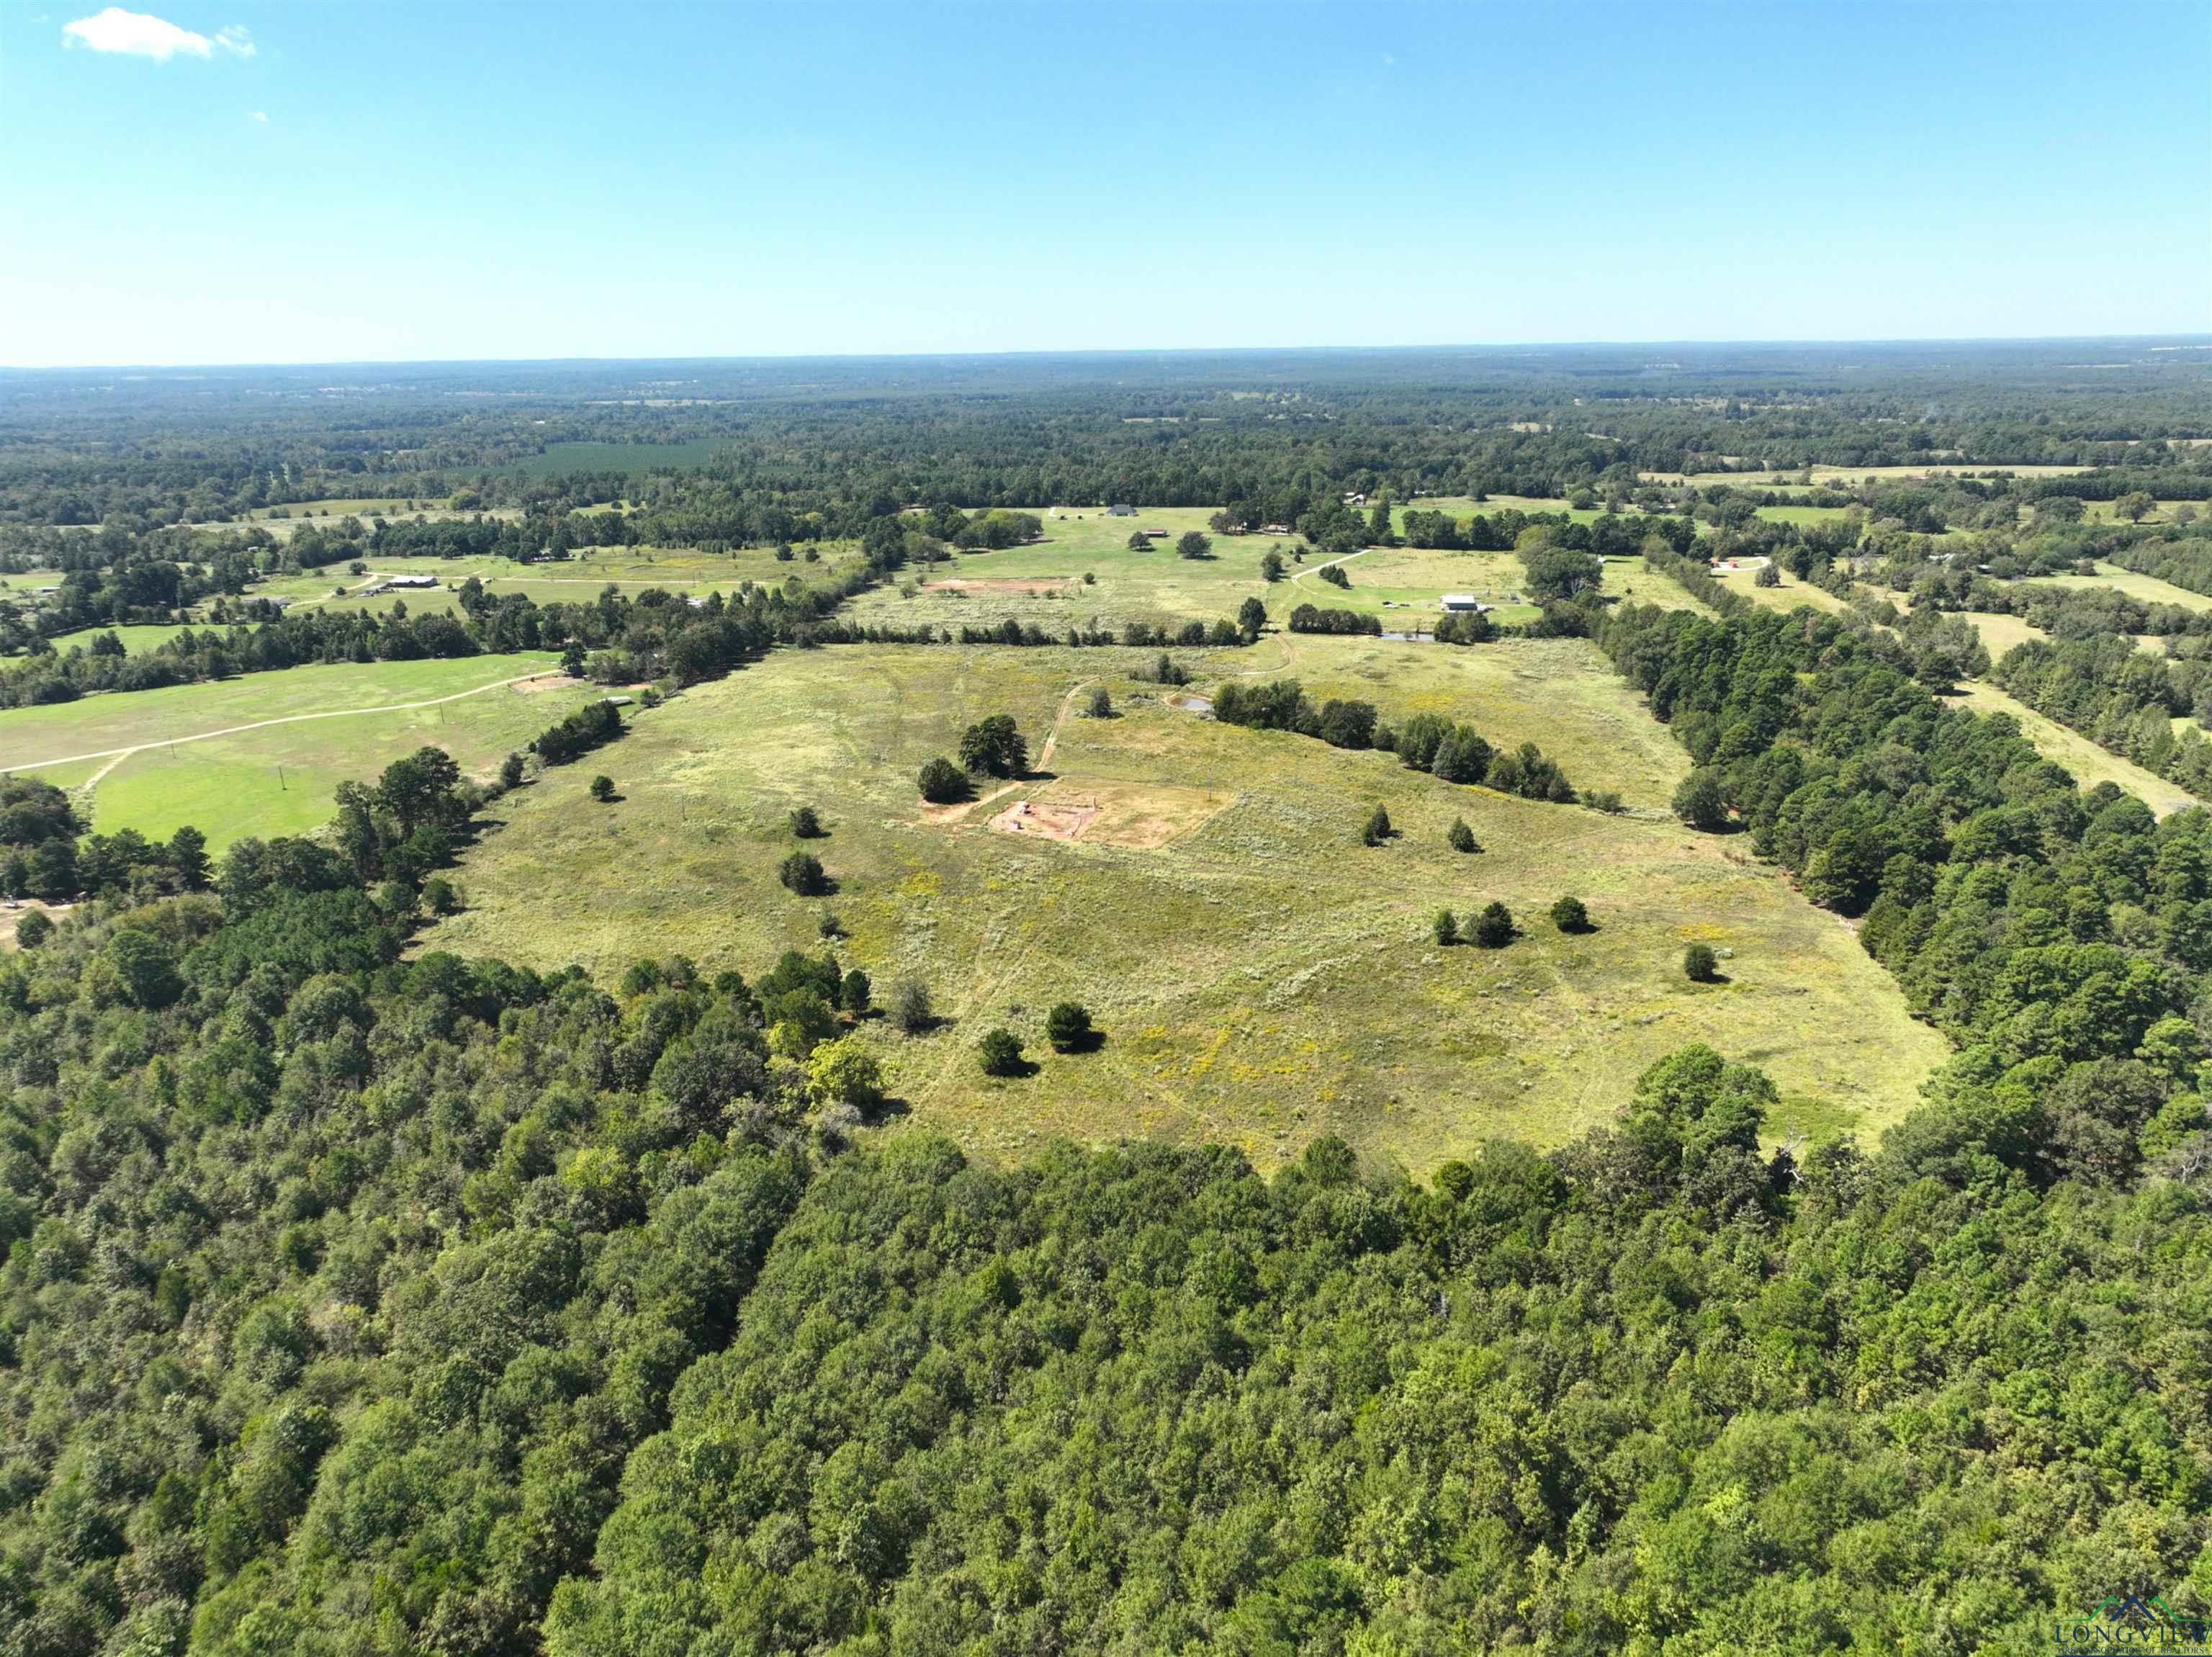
x: 1260, y: 976
x: 287, y: 739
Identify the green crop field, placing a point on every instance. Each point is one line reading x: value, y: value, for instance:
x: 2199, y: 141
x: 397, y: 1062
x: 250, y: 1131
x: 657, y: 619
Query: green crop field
x: 1261, y: 976
x: 276, y: 779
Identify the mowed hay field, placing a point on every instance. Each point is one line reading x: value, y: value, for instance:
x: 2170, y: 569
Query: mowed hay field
x: 277, y: 778
x: 1261, y: 976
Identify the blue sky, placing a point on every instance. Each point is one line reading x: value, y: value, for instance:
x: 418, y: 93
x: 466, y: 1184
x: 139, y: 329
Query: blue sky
x: 225, y: 181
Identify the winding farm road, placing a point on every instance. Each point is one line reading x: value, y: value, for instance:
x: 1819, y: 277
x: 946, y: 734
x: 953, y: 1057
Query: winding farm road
x: 116, y: 756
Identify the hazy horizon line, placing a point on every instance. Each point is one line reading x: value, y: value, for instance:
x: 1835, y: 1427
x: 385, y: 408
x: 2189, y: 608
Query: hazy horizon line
x: 2179, y: 335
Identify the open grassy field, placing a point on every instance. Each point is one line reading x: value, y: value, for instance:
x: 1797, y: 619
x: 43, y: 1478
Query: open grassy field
x: 2108, y: 511
x: 1044, y: 583
x: 1465, y: 506
x: 135, y: 641
x: 1792, y: 595
x: 1635, y: 582
x: 328, y: 515
x: 1403, y: 585
x: 577, y: 580
x: 1260, y: 977
x: 277, y: 778
x: 2001, y: 632
x: 2089, y: 764
x: 1803, y: 516
x: 2148, y: 588
x: 357, y: 505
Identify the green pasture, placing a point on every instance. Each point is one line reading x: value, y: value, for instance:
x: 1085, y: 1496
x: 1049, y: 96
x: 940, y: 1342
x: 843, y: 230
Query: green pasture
x: 1403, y: 585
x: 135, y: 641
x: 1261, y: 976
x: 2148, y: 588
x: 1804, y: 517
x: 277, y: 778
x: 1044, y: 583
x: 577, y: 580
x: 2108, y: 511
x: 1792, y: 595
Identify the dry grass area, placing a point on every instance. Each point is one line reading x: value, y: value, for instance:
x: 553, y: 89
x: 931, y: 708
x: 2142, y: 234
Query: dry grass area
x: 1848, y: 475
x: 1260, y: 976
x: 2000, y: 632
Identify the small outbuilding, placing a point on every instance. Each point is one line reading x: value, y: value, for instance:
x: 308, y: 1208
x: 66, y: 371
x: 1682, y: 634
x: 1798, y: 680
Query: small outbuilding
x: 1462, y: 604
x: 1120, y: 511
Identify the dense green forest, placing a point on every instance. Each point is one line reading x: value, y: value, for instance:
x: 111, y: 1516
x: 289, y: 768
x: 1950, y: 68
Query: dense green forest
x: 362, y: 1306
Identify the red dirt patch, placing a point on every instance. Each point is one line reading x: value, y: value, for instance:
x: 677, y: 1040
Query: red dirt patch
x: 1060, y: 820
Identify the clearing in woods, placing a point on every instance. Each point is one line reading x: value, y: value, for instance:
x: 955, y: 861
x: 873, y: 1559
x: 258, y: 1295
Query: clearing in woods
x: 1043, y: 583
x: 287, y: 739
x: 577, y: 580
x: 1260, y: 976
x: 2147, y: 588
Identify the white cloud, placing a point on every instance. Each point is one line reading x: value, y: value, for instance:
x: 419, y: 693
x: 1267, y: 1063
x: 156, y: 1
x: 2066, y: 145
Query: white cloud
x: 259, y: 116
x: 139, y: 34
